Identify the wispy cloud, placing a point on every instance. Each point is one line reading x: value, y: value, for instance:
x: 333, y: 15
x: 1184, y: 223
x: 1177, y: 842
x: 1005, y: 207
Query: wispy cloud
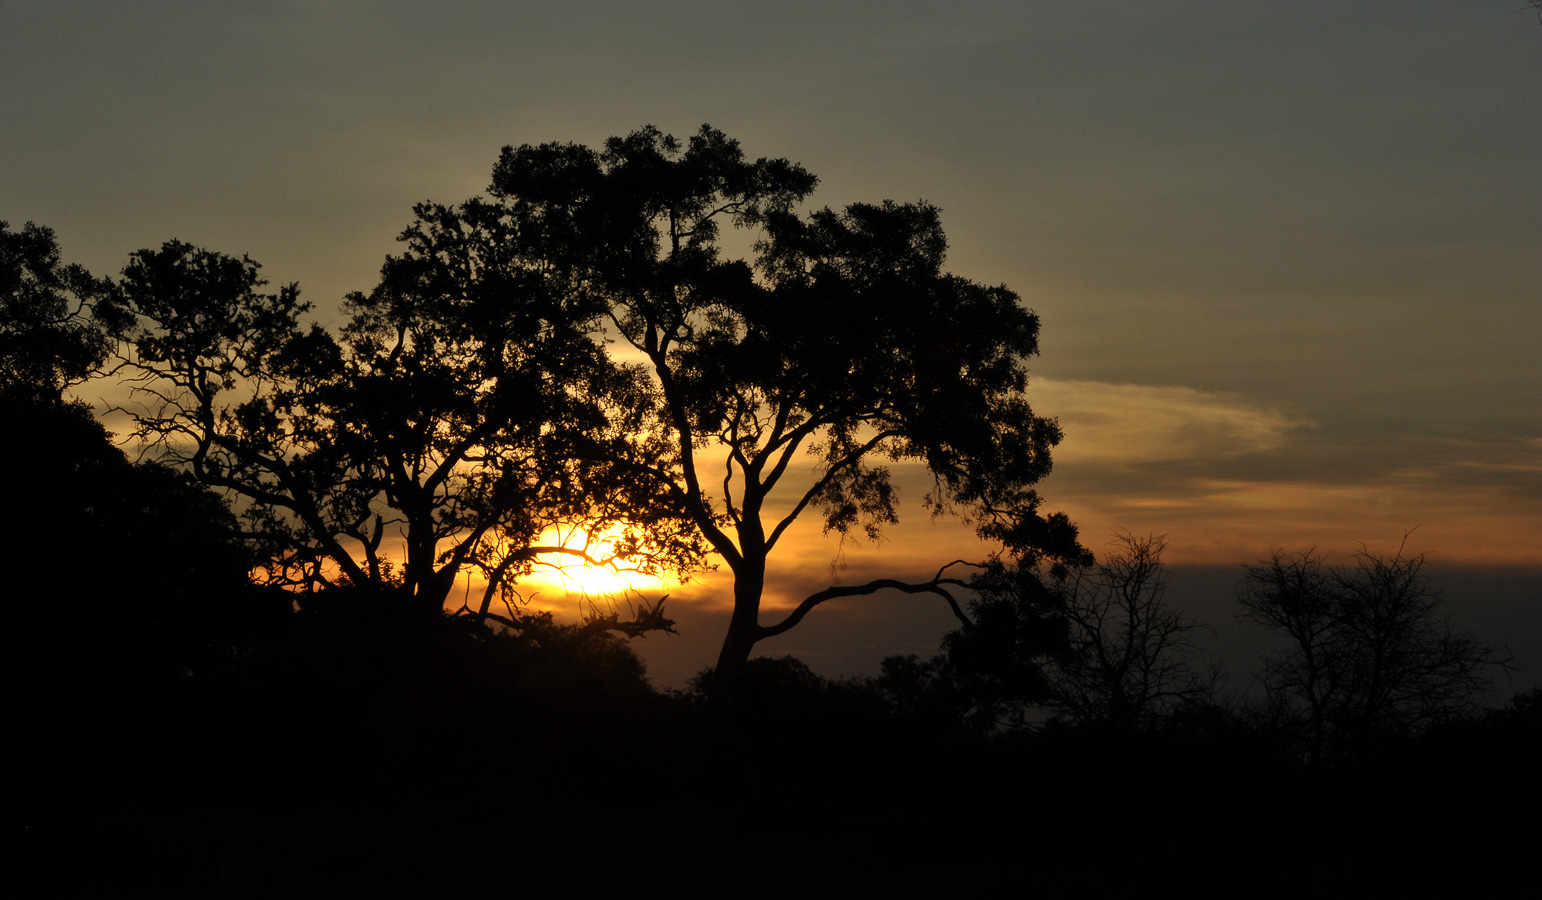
x: 1228, y: 479
x: 1130, y: 424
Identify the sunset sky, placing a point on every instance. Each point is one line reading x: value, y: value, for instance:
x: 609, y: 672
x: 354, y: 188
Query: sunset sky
x: 1287, y: 257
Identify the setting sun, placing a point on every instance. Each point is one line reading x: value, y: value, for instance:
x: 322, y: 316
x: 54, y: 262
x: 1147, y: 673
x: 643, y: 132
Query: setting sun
x: 600, y: 575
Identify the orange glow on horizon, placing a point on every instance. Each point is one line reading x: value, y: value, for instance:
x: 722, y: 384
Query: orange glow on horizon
x: 561, y: 581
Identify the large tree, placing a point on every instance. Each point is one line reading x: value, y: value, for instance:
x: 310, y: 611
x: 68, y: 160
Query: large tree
x: 460, y: 416
x: 839, y: 342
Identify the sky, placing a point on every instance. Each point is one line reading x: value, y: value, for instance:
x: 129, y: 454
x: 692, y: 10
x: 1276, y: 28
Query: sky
x: 1287, y: 257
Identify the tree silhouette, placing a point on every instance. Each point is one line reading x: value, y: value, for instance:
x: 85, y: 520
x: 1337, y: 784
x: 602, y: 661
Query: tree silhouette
x: 463, y: 407
x: 1367, y: 654
x: 995, y: 672
x: 840, y: 343
x: 1095, y: 643
x: 1130, y: 659
x: 48, y: 338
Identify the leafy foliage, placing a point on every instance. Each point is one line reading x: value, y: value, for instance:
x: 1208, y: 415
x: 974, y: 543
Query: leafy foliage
x: 463, y: 403
x: 999, y: 662
x: 840, y: 340
x: 48, y: 338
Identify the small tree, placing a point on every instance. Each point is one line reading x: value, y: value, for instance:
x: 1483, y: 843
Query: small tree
x: 1367, y: 654
x: 841, y: 345
x: 1097, y: 643
x: 1130, y: 657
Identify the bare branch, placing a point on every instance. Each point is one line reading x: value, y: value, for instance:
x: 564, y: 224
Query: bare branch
x: 938, y: 585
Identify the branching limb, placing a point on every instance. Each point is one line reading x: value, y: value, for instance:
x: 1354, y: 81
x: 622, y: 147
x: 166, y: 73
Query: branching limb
x: 851, y: 459
x: 938, y: 585
x: 646, y: 617
x: 685, y: 439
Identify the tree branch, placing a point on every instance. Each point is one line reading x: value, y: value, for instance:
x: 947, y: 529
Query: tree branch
x: 937, y: 585
x: 849, y: 460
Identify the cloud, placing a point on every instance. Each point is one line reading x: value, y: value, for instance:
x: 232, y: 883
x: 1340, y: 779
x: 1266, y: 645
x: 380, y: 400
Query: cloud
x: 1228, y: 479
x: 1134, y: 424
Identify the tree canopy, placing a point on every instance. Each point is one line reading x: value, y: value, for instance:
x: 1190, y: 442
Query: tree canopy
x: 462, y: 406
x: 839, y: 341
x: 49, y: 339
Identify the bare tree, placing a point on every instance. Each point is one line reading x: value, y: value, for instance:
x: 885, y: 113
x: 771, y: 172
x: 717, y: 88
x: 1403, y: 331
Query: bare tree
x: 1130, y: 656
x: 1368, y: 655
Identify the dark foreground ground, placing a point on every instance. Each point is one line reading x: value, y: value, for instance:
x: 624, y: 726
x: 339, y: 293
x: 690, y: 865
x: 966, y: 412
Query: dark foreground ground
x: 356, y: 755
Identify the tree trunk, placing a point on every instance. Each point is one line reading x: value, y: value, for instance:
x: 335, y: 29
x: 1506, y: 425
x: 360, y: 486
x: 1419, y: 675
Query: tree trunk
x: 743, y: 633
